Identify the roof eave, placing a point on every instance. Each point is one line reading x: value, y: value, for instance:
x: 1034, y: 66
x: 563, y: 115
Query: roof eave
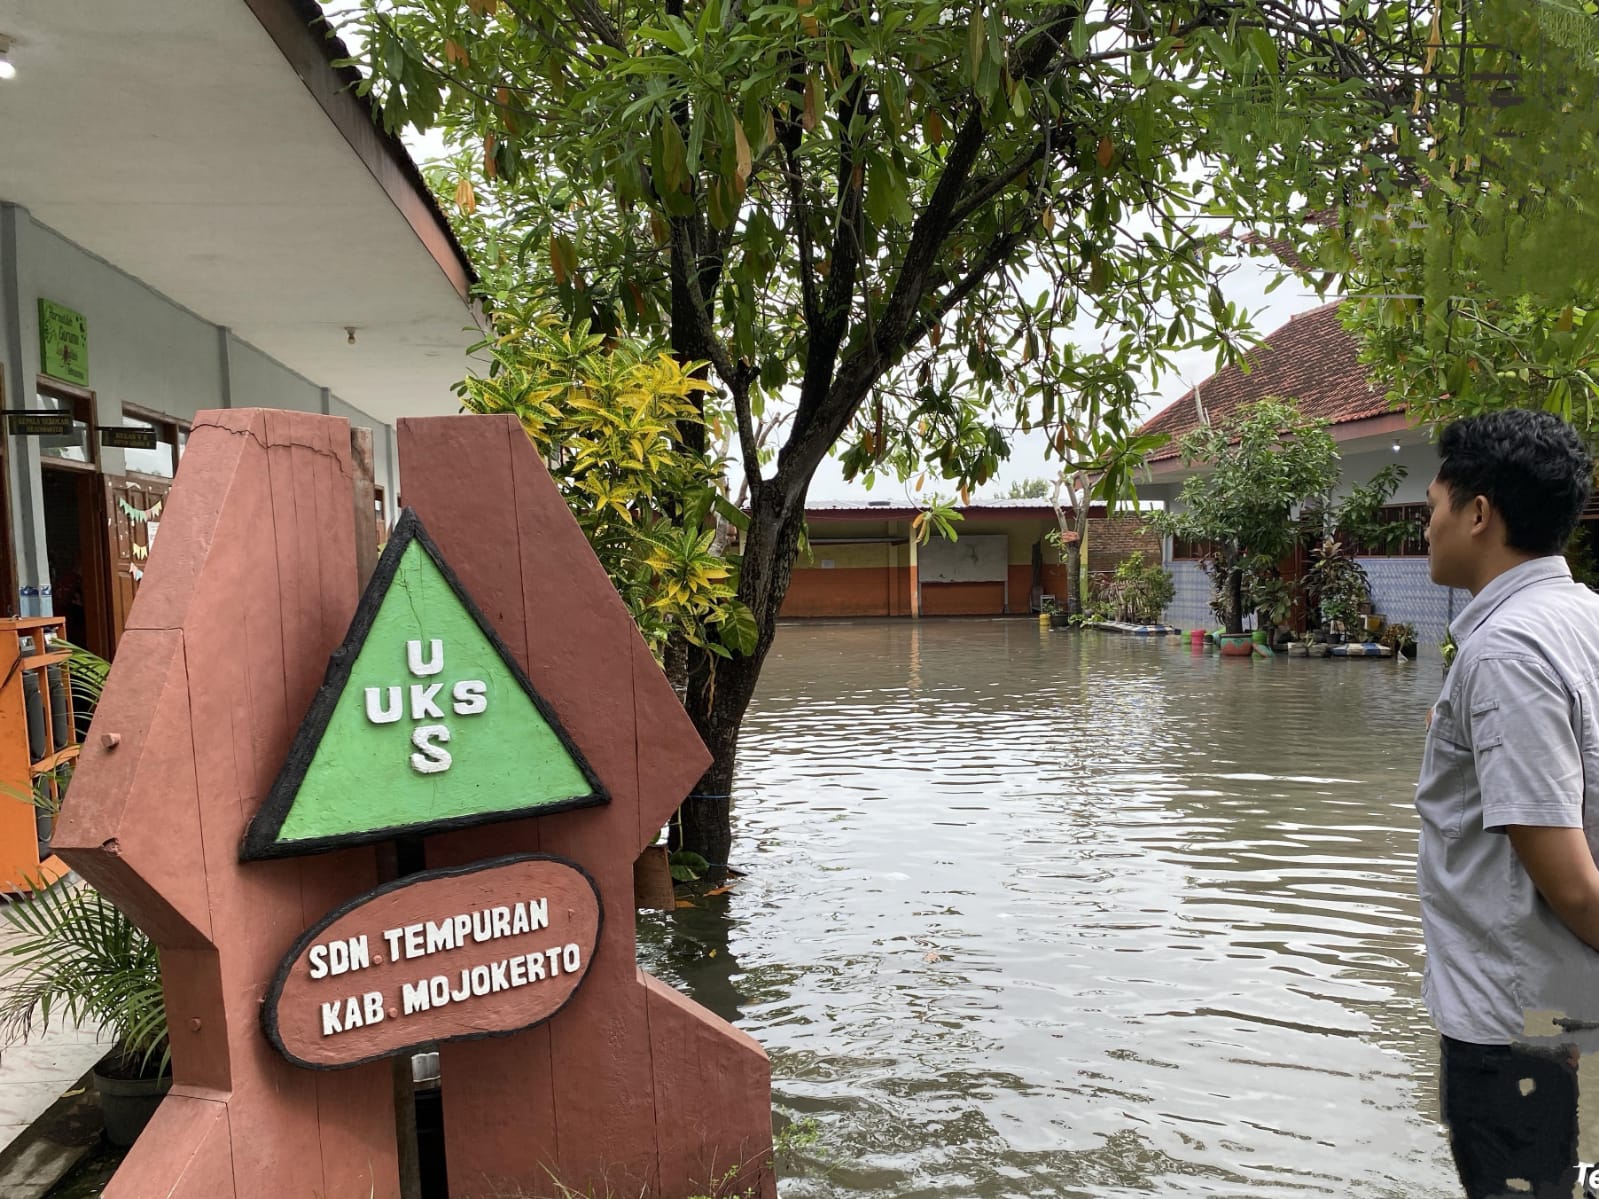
x: 308, y: 42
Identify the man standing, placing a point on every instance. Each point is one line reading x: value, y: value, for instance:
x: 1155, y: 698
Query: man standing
x: 1509, y: 805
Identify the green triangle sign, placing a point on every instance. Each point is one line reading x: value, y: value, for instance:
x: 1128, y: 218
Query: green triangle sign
x: 425, y: 722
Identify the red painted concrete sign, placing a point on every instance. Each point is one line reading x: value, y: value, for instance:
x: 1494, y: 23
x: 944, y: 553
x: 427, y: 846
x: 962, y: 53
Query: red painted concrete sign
x: 628, y: 1088
x: 446, y: 955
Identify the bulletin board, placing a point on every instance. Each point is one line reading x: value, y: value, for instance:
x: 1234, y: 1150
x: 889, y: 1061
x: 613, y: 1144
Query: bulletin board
x: 972, y: 559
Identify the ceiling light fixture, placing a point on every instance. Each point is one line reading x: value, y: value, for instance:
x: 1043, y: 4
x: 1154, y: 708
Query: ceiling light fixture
x: 1396, y: 446
x: 7, y: 69
x: 349, y: 332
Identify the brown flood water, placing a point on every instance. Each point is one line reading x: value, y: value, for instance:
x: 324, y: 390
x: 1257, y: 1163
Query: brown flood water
x: 1054, y: 914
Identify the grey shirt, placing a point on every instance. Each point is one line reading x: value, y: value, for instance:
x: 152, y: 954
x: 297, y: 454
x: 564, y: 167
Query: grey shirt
x: 1514, y: 739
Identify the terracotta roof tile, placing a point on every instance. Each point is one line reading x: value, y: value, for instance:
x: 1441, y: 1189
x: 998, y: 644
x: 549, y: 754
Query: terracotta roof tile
x: 1311, y: 359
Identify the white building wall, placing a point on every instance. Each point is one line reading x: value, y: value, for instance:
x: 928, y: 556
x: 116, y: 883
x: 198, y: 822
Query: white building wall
x: 144, y: 351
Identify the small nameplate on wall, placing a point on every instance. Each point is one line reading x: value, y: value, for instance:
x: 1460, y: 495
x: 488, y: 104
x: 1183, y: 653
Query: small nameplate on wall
x: 118, y: 437
x: 22, y: 422
x: 63, y: 343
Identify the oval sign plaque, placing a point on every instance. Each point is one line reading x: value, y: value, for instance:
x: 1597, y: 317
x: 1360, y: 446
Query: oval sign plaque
x: 445, y: 955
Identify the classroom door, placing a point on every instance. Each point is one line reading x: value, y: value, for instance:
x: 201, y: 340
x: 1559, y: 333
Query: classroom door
x: 133, y: 509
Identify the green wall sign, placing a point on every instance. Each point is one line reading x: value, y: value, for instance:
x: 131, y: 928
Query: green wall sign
x: 63, y: 343
x: 425, y: 722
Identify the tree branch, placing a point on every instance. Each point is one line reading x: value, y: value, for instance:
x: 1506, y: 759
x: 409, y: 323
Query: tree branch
x: 832, y: 319
x: 749, y: 445
x: 592, y: 18
x: 686, y: 275
x: 800, y: 213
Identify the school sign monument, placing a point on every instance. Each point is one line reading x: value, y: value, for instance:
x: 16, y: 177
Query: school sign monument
x: 272, y: 730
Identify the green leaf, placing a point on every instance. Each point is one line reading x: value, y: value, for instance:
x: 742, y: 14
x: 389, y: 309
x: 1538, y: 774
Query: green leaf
x: 739, y: 632
x: 673, y: 155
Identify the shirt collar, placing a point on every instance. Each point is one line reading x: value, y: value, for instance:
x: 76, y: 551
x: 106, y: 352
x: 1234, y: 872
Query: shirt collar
x: 1525, y: 574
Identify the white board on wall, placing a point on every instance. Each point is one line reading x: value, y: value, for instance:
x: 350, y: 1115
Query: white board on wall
x: 977, y: 559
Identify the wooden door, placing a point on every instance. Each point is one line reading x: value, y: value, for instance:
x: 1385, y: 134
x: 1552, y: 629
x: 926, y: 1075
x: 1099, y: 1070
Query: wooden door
x: 133, y: 517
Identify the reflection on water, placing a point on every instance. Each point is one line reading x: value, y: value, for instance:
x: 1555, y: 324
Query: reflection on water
x: 1033, y: 913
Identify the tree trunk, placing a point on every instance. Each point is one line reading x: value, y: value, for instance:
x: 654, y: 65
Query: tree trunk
x: 1074, y: 566
x: 1235, y: 606
x: 720, y: 689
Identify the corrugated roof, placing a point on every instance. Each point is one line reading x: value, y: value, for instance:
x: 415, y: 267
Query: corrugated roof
x: 978, y: 509
x: 898, y: 506
x: 1311, y: 359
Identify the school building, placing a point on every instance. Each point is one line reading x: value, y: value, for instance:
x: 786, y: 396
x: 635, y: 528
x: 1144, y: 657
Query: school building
x: 1314, y: 361
x: 864, y: 560
x: 196, y: 211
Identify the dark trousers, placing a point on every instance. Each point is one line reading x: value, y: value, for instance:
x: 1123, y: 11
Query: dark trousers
x: 1511, y: 1111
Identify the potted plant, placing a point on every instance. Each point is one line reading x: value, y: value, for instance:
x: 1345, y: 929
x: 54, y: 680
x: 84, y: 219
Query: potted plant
x: 1271, y: 595
x: 1139, y: 592
x: 1337, y: 587
x: 79, y: 959
x: 76, y: 958
x: 1401, y: 638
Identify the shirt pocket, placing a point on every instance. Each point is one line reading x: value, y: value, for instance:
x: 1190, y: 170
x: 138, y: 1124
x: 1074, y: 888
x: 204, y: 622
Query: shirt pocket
x: 1448, y: 772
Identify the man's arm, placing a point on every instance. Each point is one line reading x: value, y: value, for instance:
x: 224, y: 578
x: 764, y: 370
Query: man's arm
x: 1524, y: 727
x: 1563, y: 870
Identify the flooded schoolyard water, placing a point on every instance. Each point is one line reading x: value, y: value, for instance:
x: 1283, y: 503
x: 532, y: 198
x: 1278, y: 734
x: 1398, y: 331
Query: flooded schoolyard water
x: 1034, y: 913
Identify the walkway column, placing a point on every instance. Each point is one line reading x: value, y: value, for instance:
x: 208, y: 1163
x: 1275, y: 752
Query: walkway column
x: 916, y: 583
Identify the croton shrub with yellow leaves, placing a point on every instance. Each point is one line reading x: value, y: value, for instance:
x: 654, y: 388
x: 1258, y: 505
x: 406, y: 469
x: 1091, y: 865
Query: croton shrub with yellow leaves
x: 616, y: 423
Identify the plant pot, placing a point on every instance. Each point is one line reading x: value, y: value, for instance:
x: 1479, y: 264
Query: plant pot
x: 1237, y: 645
x: 1317, y: 649
x: 1298, y: 649
x: 1060, y: 620
x: 127, y: 1104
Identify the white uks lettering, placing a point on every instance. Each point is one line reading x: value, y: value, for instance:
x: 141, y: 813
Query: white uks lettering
x: 383, y: 705
x: 471, y: 697
x: 435, y: 660
x: 426, y: 702
x: 431, y: 756
x: 422, y: 705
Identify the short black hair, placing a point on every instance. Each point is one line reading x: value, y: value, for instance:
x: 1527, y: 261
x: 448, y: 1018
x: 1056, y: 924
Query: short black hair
x: 1532, y: 467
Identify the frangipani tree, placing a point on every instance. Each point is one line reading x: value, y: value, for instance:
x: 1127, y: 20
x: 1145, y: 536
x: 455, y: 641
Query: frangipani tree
x: 1253, y: 474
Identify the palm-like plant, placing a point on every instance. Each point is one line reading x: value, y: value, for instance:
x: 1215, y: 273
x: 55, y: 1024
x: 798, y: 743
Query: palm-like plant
x: 78, y: 959
x: 81, y: 961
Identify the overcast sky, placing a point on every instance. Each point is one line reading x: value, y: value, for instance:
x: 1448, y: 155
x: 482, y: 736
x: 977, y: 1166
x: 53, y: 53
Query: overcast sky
x: 1245, y: 286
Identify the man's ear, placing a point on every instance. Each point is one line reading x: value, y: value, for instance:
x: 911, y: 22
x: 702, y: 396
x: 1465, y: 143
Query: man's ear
x: 1481, y: 513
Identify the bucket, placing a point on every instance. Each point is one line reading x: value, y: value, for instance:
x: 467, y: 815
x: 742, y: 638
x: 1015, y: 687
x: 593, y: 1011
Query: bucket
x: 1258, y: 636
x: 1197, y: 638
